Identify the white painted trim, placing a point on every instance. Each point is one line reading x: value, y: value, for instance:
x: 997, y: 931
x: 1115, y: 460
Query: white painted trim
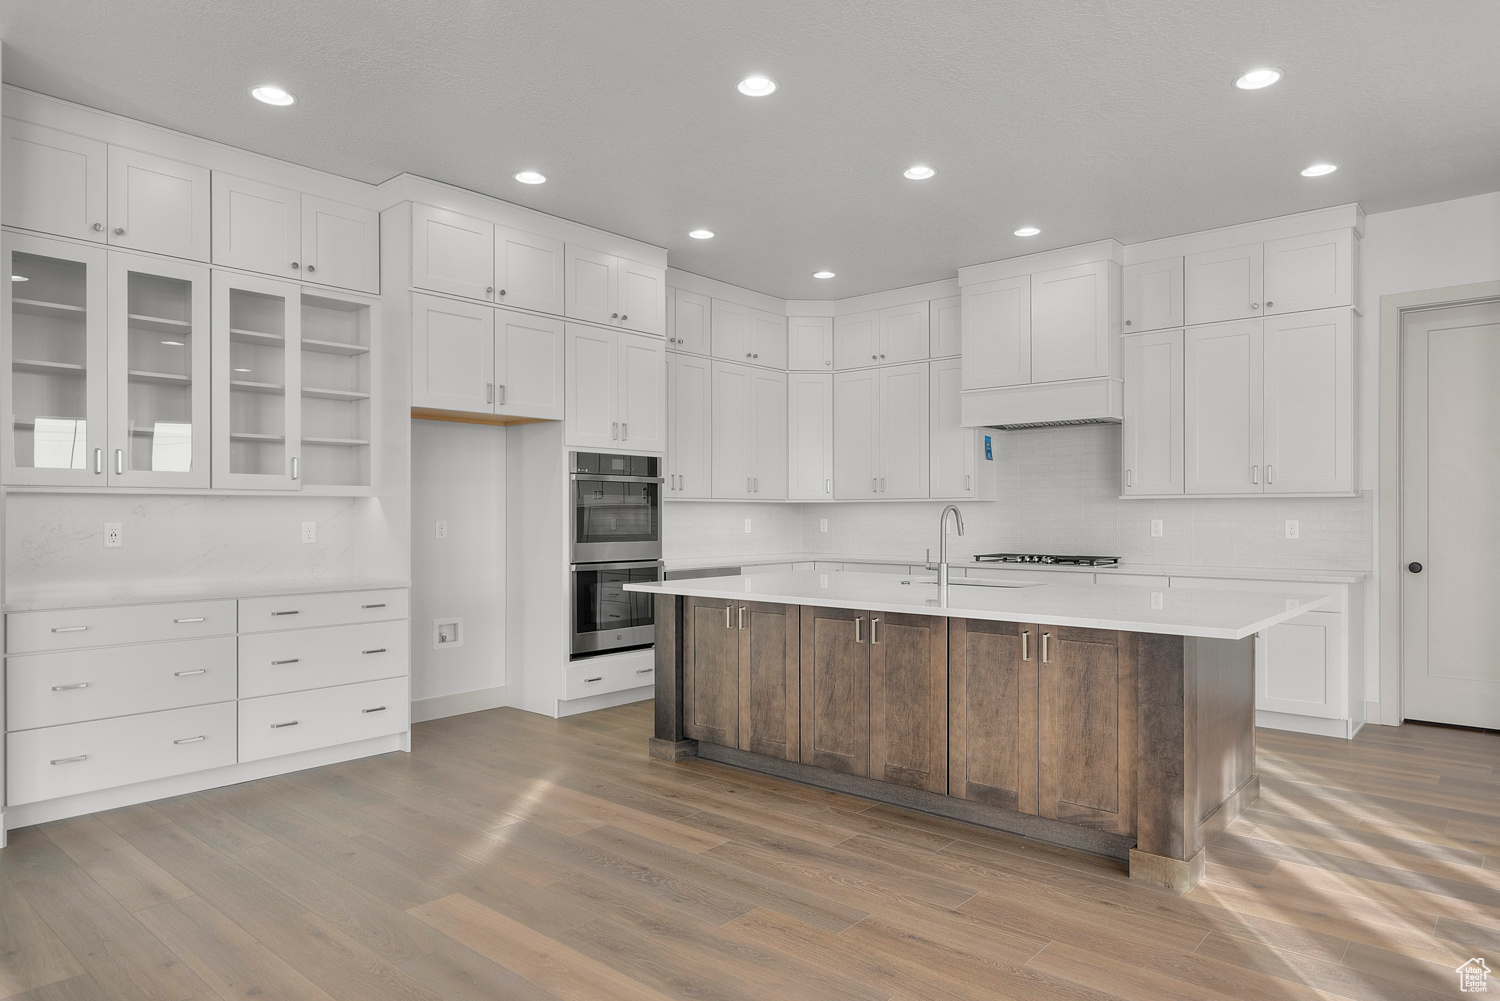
x: 608, y: 700
x: 1372, y: 713
x: 810, y: 307
x: 1317, y: 725
x: 457, y: 704
x: 715, y: 289
x: 947, y: 288
x: 177, y: 785
x: 1388, y: 497
x: 1349, y: 216
x: 1065, y: 257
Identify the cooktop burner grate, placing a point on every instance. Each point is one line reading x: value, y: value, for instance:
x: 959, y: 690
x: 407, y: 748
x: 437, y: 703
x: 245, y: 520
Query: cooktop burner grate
x: 1047, y: 560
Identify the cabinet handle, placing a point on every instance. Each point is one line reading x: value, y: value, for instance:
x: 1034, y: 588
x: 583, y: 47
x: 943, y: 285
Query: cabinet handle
x: 119, y: 462
x: 748, y: 489
x: 742, y: 616
x: 294, y: 611
x: 1130, y: 477
x: 1025, y: 644
x: 874, y: 621
x: 378, y: 604
x: 69, y: 761
x: 624, y: 431
x: 828, y: 486
x: 294, y: 467
x: 69, y: 688
x: 377, y: 709
x: 500, y: 387
x: 614, y: 430
x: 1269, y: 477
x: 727, y: 624
x: 1254, y: 474
x: 590, y: 681
x: 195, y: 618
x: 376, y: 650
x: 874, y: 485
x: 645, y: 670
x: 882, y: 484
x: 757, y: 484
x: 98, y: 227
x: 189, y: 674
x: 278, y: 726
x: 293, y: 660
x: 119, y: 231
x: 191, y: 740
x: 69, y: 629
x: 489, y: 392
x: 1045, y: 637
x: 98, y: 462
x: 311, y: 269
x: 968, y: 482
x: 859, y: 622
x: 295, y: 266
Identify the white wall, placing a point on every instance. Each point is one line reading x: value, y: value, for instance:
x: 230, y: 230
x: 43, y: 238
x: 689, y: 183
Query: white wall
x: 458, y: 475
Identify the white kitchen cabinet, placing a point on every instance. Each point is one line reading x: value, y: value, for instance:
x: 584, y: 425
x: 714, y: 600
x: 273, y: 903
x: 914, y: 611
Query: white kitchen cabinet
x: 340, y: 394
x: 810, y: 343
x: 1223, y: 408
x: 997, y: 333
x: 768, y: 333
x: 856, y: 340
x: 749, y: 432
x: 1309, y: 402
x: 452, y: 354
x: 954, y: 448
x: 257, y: 226
x: 643, y: 297
x: 904, y: 333
x: 1310, y: 272
x: 55, y: 182
x: 528, y: 366
x: 55, y: 360
x: 810, y: 435
x: 856, y: 415
x: 1300, y: 667
x: 1073, y: 322
x: 615, y: 390
x: 1152, y: 295
x: 452, y: 253
x: 748, y: 336
x: 1152, y: 435
x: 340, y: 244
x: 257, y: 380
x: 615, y: 291
x: 1220, y: 285
x: 881, y: 421
x: 158, y: 205
x: 690, y: 449
x: 945, y: 328
x: 528, y: 271
x: 688, y: 326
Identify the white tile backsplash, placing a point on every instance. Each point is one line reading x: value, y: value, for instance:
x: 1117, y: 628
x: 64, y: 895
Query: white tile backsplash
x: 691, y: 530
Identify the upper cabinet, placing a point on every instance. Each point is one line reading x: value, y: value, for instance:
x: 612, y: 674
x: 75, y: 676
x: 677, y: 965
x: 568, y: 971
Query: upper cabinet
x: 452, y: 253
x: 944, y: 328
x: 749, y: 433
x: 1151, y: 439
x: 528, y: 271
x: 1221, y: 285
x: 890, y: 336
x: 277, y: 231
x: 614, y: 290
x: 856, y: 340
x: 479, y: 359
x: 688, y: 322
x: 64, y: 184
x: 1265, y: 279
x: 1152, y: 298
x: 615, y: 390
x: 689, y: 427
x: 810, y: 436
x: 955, y: 449
x: 997, y: 333
x: 1074, y: 322
x: 748, y: 336
x: 880, y: 433
x: 809, y: 343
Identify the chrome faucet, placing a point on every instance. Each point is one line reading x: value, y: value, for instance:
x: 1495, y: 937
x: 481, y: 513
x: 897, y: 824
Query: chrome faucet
x: 942, y: 567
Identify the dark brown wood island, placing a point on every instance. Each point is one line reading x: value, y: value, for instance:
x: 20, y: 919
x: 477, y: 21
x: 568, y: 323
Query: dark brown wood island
x: 1113, y: 720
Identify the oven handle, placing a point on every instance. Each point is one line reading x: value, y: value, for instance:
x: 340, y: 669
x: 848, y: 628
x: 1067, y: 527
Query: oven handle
x: 606, y: 478
x: 637, y: 565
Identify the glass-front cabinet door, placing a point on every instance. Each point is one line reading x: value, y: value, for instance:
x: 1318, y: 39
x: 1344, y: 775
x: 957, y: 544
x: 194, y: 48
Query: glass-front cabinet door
x: 158, y: 373
x: 53, y: 356
x: 257, y: 399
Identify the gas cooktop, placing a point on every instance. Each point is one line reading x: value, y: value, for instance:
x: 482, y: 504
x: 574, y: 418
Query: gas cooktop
x: 1057, y: 561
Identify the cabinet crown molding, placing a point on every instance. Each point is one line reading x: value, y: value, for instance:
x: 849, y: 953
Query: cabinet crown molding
x: 1049, y: 260
x: 1349, y: 216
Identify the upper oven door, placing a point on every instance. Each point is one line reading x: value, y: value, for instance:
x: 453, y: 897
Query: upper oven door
x: 616, y: 518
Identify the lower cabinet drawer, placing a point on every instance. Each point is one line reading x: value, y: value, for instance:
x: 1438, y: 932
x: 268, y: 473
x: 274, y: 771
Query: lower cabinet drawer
x: 273, y: 663
x: 50, y: 689
x: 285, y: 724
x: 595, y: 678
x: 75, y: 628
x: 329, y: 608
x: 82, y: 757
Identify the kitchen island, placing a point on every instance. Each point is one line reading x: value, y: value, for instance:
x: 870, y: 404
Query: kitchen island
x: 1118, y: 720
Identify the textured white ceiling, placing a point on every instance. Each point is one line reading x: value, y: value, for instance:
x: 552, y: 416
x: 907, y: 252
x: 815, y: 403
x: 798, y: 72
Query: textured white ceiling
x: 1088, y: 118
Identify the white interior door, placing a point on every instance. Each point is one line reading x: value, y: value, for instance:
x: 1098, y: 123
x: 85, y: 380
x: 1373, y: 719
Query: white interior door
x: 452, y: 355
x: 1450, y: 534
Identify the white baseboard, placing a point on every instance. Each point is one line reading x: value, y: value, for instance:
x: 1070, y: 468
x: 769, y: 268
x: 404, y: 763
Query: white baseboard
x: 1306, y: 724
x: 590, y: 703
x: 440, y: 706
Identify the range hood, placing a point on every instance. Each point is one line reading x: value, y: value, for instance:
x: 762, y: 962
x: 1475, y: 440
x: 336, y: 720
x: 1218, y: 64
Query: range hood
x: 1044, y: 404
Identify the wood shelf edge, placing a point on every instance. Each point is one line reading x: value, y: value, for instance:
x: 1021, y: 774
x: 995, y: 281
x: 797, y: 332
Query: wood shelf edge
x: 465, y: 417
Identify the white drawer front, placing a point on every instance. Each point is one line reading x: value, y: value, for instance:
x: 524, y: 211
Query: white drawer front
x: 585, y: 678
x: 273, y: 663
x: 71, y: 686
x: 75, y: 628
x: 82, y: 757
x: 285, y: 724
x: 304, y: 611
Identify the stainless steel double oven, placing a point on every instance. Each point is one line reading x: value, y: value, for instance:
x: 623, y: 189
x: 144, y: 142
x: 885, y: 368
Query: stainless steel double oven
x: 616, y: 540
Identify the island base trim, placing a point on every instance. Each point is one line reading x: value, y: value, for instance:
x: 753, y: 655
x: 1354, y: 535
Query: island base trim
x: 671, y: 750
x: 1112, y: 846
x: 1166, y: 873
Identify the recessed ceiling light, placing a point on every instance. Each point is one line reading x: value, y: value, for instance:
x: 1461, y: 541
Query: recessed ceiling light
x: 701, y: 234
x: 1258, y: 78
x: 531, y: 177
x: 19, y: 278
x: 173, y: 344
x: 1027, y: 231
x: 919, y: 173
x: 822, y: 274
x: 1319, y: 169
x: 271, y: 94
x: 757, y: 85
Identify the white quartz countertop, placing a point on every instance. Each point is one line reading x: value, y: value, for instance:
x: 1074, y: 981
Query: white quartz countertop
x: 1207, y: 614
x: 147, y: 594
x: 968, y: 564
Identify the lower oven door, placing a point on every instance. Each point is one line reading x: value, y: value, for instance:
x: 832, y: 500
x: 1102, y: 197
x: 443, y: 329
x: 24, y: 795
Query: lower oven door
x: 607, y: 617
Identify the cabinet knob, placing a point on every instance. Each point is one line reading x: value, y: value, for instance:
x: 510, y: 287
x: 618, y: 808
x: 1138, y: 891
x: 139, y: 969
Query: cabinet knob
x: 1255, y: 305
x: 614, y: 316
x: 311, y: 268
x: 755, y: 356
x: 295, y: 266
x: 872, y: 620
x: 1414, y: 567
x: 1269, y: 304
x: 98, y: 227
x: 1127, y: 323
x: 502, y: 291
x: 874, y: 357
x: 119, y: 231
x: 827, y: 362
x: 624, y: 317
x: 489, y: 289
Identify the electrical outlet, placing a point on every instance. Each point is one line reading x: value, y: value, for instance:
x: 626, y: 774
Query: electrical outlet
x: 747, y: 526
x: 1155, y: 528
x: 822, y: 524
x: 112, y: 538
x: 309, y: 532
x: 1156, y: 600
x: 447, y: 633
x: 1292, y: 531
x: 441, y: 530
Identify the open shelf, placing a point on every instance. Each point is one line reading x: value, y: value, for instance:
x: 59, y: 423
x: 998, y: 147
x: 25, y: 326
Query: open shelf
x: 257, y: 387
x: 334, y: 347
x: 255, y: 337
x: 159, y: 324
x: 48, y: 367
x: 247, y: 436
x: 335, y: 441
x: 333, y: 394
x: 37, y: 307
x: 160, y: 378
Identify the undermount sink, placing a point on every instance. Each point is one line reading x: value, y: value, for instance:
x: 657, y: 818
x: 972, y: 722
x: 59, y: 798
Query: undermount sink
x: 975, y: 583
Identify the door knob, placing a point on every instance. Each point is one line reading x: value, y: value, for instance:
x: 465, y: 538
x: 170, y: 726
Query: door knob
x: 1414, y: 567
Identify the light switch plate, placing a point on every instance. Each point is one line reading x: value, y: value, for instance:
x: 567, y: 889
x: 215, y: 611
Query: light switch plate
x: 112, y: 539
x: 1292, y: 530
x: 309, y: 532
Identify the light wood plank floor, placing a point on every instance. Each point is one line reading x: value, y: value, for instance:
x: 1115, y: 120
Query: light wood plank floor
x: 515, y: 857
